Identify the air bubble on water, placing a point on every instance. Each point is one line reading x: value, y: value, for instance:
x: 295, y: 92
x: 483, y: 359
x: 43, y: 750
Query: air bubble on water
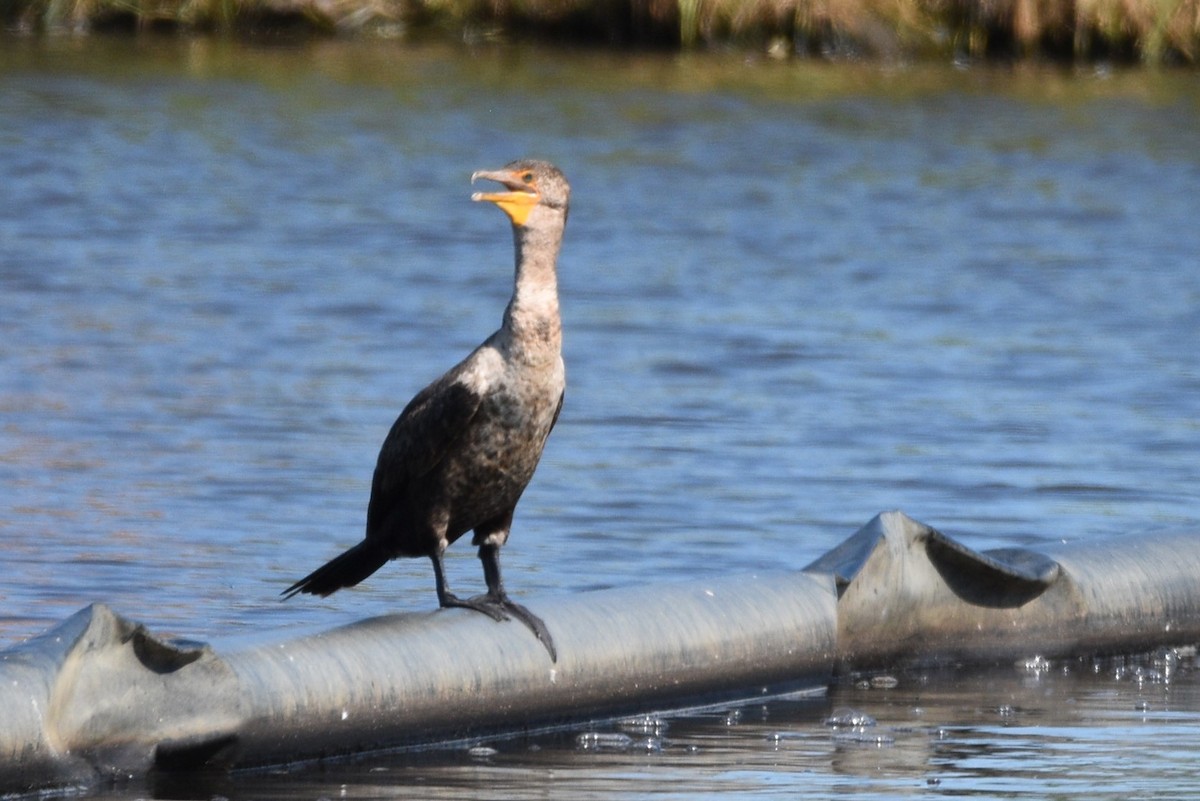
x: 649, y: 725
x: 603, y: 741
x: 1037, y: 665
x: 1167, y: 661
x: 651, y: 745
x: 1148, y: 675
x: 482, y: 752
x: 848, y: 718
x: 860, y: 737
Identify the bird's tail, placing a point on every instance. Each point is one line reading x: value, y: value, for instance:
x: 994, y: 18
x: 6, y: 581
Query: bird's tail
x: 342, y: 571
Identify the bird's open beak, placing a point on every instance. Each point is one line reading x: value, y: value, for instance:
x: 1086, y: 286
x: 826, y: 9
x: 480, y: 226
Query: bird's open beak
x: 517, y: 202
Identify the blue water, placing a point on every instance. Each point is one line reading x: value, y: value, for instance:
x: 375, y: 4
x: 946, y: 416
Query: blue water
x: 794, y: 296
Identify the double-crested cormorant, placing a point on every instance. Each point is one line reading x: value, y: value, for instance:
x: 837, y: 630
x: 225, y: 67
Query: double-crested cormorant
x: 461, y: 453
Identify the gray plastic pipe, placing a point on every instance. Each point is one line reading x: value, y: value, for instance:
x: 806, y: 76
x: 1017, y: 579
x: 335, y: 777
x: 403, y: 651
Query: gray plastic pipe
x: 456, y: 674
x: 99, y: 696
x: 909, y: 594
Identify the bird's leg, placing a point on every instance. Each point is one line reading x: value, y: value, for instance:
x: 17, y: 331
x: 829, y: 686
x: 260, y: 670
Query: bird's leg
x: 489, y: 554
x: 448, y: 599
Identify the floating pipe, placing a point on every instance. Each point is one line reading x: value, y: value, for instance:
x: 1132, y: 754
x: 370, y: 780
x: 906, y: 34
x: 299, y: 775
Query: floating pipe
x: 454, y: 674
x: 909, y: 594
x: 99, y: 696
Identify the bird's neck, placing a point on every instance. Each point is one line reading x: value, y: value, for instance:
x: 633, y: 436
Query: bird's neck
x: 532, y: 317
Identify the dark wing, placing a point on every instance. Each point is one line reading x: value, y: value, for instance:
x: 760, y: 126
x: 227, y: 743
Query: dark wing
x: 557, y: 411
x: 420, y: 438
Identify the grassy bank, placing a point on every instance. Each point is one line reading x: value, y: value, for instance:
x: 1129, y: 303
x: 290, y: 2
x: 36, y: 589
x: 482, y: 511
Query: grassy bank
x: 1151, y: 31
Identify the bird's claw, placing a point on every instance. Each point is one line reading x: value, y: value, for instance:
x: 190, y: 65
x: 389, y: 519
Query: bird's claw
x: 480, y: 603
x: 502, y: 609
x: 534, y: 624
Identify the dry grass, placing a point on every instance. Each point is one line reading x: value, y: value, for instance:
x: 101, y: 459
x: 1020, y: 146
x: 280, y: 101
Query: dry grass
x: 1153, y: 31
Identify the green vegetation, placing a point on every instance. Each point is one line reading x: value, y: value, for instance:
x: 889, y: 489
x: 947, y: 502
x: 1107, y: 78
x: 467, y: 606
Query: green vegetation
x: 1152, y: 31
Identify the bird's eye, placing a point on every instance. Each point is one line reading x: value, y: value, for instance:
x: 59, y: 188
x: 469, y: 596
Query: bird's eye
x: 527, y: 177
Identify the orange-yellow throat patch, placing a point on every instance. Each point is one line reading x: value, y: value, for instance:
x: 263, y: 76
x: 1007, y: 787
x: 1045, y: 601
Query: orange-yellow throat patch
x: 517, y: 205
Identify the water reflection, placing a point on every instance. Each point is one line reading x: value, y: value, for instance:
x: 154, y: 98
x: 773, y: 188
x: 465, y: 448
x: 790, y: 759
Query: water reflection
x: 1070, y: 730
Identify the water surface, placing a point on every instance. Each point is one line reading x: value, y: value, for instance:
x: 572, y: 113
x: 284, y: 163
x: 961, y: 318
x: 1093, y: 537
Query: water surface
x: 794, y: 295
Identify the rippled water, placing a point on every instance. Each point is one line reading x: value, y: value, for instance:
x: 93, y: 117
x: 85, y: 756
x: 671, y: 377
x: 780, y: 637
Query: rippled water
x: 794, y: 296
x: 1104, y: 730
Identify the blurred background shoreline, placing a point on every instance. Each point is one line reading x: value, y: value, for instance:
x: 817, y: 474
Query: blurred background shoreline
x: 1119, y: 31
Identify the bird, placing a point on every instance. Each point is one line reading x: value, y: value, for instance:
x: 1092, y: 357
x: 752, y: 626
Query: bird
x: 463, y: 450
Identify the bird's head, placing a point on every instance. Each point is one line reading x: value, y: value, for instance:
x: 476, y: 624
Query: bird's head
x: 532, y: 189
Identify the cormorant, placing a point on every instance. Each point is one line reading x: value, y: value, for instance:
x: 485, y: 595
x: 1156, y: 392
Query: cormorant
x: 462, y: 451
